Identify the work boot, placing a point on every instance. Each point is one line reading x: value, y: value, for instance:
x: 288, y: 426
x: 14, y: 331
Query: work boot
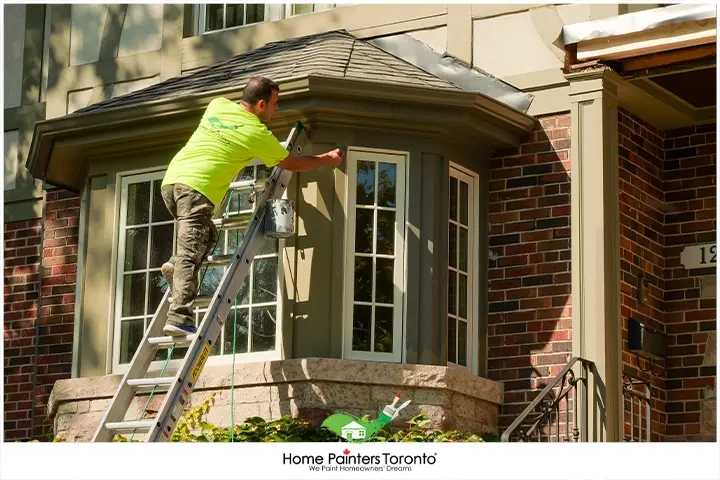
x: 179, y: 330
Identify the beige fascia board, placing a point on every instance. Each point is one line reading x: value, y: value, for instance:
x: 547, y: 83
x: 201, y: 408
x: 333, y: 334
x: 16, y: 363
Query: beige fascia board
x: 485, y: 10
x: 669, y: 37
x: 538, y: 80
x: 155, y: 125
x: 425, y: 23
x: 48, y: 131
x: 482, y: 106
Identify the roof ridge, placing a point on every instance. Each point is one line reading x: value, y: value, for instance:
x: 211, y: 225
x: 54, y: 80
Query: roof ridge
x: 349, y: 57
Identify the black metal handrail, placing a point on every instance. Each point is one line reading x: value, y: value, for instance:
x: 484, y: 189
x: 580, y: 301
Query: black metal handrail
x: 528, y: 424
x: 643, y: 399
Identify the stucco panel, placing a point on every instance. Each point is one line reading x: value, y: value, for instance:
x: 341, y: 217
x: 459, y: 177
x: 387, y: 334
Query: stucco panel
x: 14, y: 43
x: 142, y: 29
x: 10, y: 144
x: 524, y: 53
x: 88, y: 22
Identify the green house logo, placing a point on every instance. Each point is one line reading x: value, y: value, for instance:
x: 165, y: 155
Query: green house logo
x: 217, y: 124
x: 356, y: 430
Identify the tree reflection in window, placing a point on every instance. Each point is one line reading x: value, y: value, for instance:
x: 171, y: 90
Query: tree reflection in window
x: 375, y: 225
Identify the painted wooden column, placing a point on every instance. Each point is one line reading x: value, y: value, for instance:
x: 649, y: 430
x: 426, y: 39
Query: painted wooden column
x: 595, y: 246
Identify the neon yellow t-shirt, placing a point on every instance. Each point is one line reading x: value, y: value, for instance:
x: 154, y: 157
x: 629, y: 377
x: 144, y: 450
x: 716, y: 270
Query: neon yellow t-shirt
x: 227, y: 139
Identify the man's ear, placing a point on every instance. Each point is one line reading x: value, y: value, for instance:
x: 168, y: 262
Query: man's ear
x: 261, y: 104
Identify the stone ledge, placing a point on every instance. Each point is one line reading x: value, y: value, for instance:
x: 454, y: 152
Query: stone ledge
x: 312, y: 370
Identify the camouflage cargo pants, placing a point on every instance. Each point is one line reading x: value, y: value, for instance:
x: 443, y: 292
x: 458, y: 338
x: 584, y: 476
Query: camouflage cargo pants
x: 196, y: 239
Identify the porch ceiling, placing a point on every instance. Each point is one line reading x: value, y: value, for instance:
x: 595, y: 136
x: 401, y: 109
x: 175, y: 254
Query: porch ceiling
x: 665, y: 59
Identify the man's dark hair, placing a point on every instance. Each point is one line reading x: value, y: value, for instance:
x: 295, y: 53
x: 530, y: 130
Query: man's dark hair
x: 259, y: 88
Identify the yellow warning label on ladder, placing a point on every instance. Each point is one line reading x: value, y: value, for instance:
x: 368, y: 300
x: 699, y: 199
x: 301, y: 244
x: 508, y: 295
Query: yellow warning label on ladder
x: 201, y: 362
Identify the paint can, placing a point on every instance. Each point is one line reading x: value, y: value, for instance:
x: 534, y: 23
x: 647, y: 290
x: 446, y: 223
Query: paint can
x: 280, y: 218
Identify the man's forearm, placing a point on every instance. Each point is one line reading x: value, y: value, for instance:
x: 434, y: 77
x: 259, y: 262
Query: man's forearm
x: 304, y: 163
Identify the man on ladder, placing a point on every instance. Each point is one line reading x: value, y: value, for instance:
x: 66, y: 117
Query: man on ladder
x: 229, y: 137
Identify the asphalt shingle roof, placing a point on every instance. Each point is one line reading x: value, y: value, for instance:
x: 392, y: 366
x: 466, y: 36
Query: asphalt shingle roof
x: 333, y: 54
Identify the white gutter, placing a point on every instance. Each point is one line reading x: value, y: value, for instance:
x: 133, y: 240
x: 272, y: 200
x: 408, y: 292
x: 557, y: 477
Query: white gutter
x: 637, y: 22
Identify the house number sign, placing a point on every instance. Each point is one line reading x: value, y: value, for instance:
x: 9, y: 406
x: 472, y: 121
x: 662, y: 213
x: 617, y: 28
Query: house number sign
x: 699, y: 256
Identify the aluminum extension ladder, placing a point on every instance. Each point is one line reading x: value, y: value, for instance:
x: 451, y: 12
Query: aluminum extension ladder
x: 180, y: 386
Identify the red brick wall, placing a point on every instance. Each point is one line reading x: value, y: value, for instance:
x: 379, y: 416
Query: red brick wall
x: 38, y: 343
x: 529, y: 322
x: 667, y: 202
x: 21, y: 276
x: 641, y: 163
x: 690, y: 186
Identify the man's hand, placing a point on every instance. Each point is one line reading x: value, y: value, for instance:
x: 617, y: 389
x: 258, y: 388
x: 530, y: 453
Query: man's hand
x: 335, y: 157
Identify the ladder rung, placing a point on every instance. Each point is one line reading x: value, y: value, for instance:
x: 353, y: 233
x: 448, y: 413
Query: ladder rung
x: 151, y: 382
x: 169, y: 341
x: 219, y: 260
x: 247, y: 185
x: 234, y: 221
x: 130, y: 427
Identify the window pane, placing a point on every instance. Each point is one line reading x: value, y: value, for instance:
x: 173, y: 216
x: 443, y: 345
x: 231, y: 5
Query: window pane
x: 386, y: 184
x: 234, y: 14
x: 243, y: 297
x: 255, y: 13
x: 453, y: 199
x: 462, y: 295
x: 239, y: 202
x: 136, y: 249
x: 451, y: 340
x: 263, y: 329
x: 241, y: 331
x: 265, y: 280
x: 131, y: 334
x: 262, y: 172
x: 384, y: 288
x: 362, y: 318
x: 133, y: 295
x: 161, y: 244
x: 248, y: 173
x: 160, y: 211
x: 214, y: 17
x: 452, y: 245
x: 463, y: 253
x: 301, y: 8
x: 383, y: 329
x: 363, y: 279
x: 364, y: 230
x: 156, y: 292
x: 386, y: 232
x: 452, y: 292
x: 462, y: 343
x: 234, y: 239
x: 464, y: 203
x: 210, y: 280
x: 366, y: 183
x: 268, y: 245
x: 138, y: 204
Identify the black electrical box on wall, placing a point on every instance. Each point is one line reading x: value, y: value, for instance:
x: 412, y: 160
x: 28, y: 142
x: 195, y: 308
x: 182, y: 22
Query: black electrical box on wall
x: 646, y: 341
